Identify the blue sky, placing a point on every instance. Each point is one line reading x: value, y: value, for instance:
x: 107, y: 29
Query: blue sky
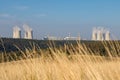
x: 60, y: 17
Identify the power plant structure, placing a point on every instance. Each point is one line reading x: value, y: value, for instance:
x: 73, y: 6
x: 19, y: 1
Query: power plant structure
x: 69, y: 37
x: 107, y: 35
x: 94, y: 34
x: 16, y: 32
x: 100, y: 34
x: 28, y: 32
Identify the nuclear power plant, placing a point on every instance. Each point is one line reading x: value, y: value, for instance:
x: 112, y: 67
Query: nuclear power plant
x: 28, y: 32
x: 16, y: 32
x: 100, y: 34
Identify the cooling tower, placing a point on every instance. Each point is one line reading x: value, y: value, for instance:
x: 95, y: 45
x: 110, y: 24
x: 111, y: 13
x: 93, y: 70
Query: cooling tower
x: 107, y: 35
x: 103, y: 36
x: 99, y: 35
x: 94, y: 34
x: 28, y: 32
x: 16, y: 32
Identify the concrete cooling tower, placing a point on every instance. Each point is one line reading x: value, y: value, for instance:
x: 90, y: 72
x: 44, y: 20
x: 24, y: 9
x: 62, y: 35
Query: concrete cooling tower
x: 100, y: 34
x: 16, y: 32
x: 94, y: 34
x: 28, y: 32
x: 107, y: 35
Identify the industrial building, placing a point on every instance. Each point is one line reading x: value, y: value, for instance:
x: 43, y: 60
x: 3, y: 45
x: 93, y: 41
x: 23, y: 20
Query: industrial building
x: 16, y: 32
x: 69, y: 37
x: 51, y: 38
x: 100, y: 34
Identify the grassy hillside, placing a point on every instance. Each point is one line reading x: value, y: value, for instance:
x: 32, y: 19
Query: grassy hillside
x: 14, y: 49
x: 56, y: 64
x: 10, y: 44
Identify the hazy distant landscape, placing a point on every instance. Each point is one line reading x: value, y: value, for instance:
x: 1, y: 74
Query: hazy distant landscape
x: 59, y: 40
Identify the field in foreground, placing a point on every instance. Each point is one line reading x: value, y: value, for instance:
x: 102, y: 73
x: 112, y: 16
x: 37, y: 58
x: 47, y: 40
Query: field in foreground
x: 80, y: 64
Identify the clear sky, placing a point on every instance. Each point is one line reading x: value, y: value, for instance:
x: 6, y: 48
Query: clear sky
x: 60, y: 17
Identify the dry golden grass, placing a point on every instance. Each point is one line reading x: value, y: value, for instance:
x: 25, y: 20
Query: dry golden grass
x: 81, y: 64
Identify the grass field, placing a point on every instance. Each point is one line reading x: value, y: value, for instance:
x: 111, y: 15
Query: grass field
x: 55, y: 64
